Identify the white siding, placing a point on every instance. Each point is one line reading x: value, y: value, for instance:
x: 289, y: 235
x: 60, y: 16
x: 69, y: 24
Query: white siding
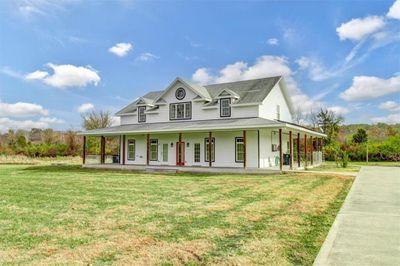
x: 269, y: 107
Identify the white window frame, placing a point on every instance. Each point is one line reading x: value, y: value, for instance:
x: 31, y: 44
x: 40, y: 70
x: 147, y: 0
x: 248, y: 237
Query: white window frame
x: 239, y: 142
x: 141, y: 114
x: 212, y: 150
x: 131, y: 142
x: 184, y: 112
x: 225, y: 107
x: 153, y: 143
x: 197, y: 153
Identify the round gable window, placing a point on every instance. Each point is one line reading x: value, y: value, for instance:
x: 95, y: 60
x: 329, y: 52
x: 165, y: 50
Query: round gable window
x: 180, y: 93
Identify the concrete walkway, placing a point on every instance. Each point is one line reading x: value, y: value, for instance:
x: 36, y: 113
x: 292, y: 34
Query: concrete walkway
x: 367, y: 228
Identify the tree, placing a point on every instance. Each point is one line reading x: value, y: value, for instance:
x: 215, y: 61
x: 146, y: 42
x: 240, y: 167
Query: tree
x: 329, y: 123
x: 48, y: 136
x: 96, y: 119
x: 360, y: 136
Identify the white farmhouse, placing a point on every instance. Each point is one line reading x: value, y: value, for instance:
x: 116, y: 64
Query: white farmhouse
x: 246, y: 125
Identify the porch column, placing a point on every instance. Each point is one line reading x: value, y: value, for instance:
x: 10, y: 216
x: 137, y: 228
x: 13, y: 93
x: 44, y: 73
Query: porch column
x: 102, y: 149
x: 311, y: 150
x: 147, y: 149
x: 290, y: 150
x: 244, y: 149
x: 209, y: 149
x: 123, y: 149
x: 298, y: 150
x: 84, y: 150
x: 305, y: 150
x: 280, y: 150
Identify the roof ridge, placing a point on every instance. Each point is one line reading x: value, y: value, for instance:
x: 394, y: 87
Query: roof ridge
x: 238, y: 81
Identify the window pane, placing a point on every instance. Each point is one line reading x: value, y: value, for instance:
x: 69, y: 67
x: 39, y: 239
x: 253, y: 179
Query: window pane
x: 239, y: 150
x: 180, y: 111
x: 225, y: 107
x: 141, y: 114
x: 188, y: 110
x: 172, y: 111
x: 131, y: 149
x: 153, y: 150
x: 197, y: 152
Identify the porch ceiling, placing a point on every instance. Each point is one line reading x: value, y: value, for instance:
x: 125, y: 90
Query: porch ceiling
x: 195, y: 126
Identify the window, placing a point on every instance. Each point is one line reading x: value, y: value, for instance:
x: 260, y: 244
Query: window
x: 153, y: 150
x: 225, y: 107
x: 180, y: 93
x: 180, y: 111
x: 278, y: 112
x: 131, y: 149
x: 141, y: 114
x: 239, y: 150
x: 197, y: 152
x: 165, y: 152
x: 212, y: 150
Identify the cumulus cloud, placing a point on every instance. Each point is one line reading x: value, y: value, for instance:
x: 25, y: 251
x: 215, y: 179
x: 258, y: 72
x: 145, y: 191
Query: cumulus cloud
x: 145, y: 57
x: 83, y: 108
x: 390, y: 119
x: 273, y: 41
x: 357, y: 29
x: 265, y: 66
x: 390, y: 106
x: 394, y: 11
x: 66, y: 76
x: 121, y: 49
x: 21, y: 109
x: 44, y: 122
x: 339, y: 110
x: 370, y: 87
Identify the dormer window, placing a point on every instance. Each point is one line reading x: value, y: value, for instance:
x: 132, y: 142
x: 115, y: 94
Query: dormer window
x: 225, y: 107
x: 141, y: 114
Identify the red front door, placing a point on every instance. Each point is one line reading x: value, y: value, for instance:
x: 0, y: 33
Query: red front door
x: 180, y: 153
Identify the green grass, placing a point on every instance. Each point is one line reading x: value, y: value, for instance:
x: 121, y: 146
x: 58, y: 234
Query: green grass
x: 68, y: 215
x: 352, y: 166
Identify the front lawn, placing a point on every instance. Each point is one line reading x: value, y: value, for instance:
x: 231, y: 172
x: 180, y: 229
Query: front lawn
x: 68, y: 215
x: 328, y: 166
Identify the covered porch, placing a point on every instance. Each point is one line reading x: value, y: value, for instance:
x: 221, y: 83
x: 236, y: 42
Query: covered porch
x: 277, y: 146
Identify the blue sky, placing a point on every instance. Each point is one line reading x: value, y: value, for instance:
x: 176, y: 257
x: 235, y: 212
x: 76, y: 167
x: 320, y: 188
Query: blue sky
x: 57, y: 57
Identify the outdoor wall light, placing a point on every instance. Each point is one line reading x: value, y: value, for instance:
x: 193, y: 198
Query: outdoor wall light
x: 172, y: 144
x: 187, y: 144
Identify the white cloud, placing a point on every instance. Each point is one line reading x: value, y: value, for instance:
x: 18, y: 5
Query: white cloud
x: 357, y: 29
x: 369, y: 87
x: 390, y: 119
x: 339, y: 110
x: 44, y: 122
x: 121, y: 49
x: 10, y: 72
x: 66, y: 76
x: 202, y: 76
x: 145, y: 57
x: 390, y: 106
x: 273, y: 41
x: 83, y: 108
x: 21, y: 109
x: 265, y: 66
x: 394, y: 11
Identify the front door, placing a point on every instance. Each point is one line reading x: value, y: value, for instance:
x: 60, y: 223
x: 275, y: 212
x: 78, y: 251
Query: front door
x: 180, y: 153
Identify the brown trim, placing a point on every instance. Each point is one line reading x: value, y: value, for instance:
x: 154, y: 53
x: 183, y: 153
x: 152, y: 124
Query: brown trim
x: 280, y: 150
x: 84, y: 150
x: 244, y: 149
x: 124, y: 149
x: 305, y: 150
x: 147, y: 149
x: 290, y: 150
x: 209, y: 149
x: 298, y: 150
x: 311, y: 150
x: 102, y: 149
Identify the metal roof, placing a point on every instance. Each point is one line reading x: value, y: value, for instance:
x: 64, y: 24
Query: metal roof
x: 182, y: 126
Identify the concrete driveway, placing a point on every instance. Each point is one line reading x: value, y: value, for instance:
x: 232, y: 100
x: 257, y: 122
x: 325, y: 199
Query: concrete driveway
x: 367, y: 228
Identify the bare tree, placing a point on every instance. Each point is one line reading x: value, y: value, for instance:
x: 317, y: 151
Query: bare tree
x: 48, y: 136
x: 96, y: 119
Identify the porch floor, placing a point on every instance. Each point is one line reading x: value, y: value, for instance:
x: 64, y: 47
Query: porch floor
x: 193, y: 169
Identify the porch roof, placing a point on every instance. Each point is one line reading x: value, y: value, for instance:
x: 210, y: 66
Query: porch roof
x: 197, y: 126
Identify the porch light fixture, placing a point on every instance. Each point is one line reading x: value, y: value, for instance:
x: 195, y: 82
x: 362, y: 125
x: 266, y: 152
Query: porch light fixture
x: 172, y: 144
x: 187, y: 144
